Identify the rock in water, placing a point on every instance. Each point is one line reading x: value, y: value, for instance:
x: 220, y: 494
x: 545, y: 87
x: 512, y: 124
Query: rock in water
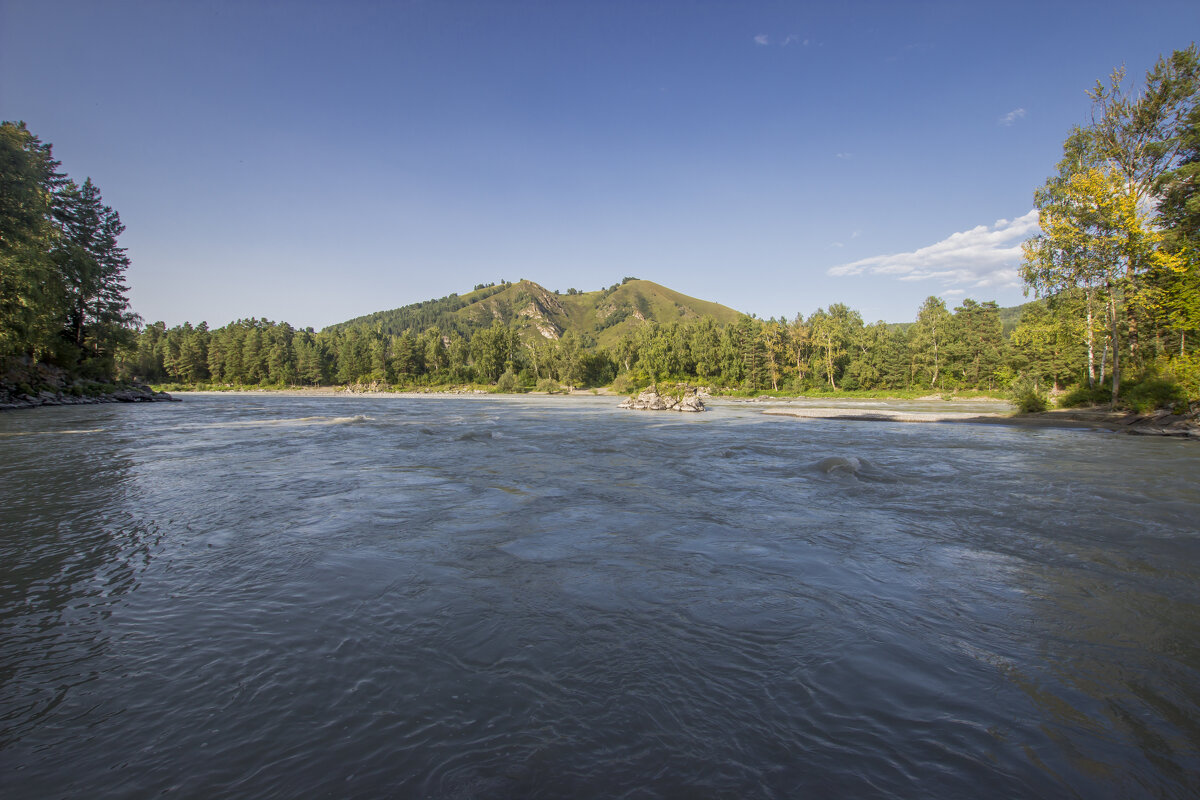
x: 684, y: 399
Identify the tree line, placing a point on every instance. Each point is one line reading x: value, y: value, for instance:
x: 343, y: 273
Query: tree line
x: 832, y: 349
x: 63, y: 298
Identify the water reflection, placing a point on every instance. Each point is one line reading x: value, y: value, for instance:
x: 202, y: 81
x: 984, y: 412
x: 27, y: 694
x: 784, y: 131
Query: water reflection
x: 70, y: 549
x: 1117, y: 663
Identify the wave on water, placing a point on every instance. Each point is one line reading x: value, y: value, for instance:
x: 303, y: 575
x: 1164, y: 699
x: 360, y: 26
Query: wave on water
x: 855, y: 466
x: 52, y: 433
x: 476, y: 436
x: 295, y: 422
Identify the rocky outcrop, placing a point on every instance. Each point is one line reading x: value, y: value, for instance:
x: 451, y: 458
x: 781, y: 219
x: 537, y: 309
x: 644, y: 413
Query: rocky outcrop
x: 24, y: 384
x: 541, y: 310
x: 682, y: 398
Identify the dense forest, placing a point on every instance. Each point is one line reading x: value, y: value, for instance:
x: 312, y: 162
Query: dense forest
x: 1115, y: 273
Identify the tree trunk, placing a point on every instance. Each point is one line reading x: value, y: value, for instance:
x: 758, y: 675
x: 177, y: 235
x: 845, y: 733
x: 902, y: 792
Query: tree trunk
x: 1091, y: 344
x: 1103, y: 361
x: 933, y: 382
x: 1116, y: 347
x: 829, y: 364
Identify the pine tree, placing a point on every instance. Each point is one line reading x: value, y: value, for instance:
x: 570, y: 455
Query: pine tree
x: 30, y: 293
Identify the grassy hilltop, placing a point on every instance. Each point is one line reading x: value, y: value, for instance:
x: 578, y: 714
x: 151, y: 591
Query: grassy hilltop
x: 602, y: 317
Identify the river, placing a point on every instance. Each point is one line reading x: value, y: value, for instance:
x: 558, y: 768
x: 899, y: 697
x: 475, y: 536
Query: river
x: 512, y: 597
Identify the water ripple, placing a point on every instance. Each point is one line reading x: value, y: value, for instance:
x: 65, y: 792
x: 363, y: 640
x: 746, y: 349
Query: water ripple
x: 280, y: 597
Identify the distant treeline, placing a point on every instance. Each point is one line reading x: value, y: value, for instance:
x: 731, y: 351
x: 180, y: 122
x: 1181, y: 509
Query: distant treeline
x: 830, y: 349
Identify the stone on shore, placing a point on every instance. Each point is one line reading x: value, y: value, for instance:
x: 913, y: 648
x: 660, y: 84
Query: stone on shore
x: 25, y: 384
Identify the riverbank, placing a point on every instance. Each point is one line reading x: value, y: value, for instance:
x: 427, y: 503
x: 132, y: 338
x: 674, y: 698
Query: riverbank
x: 341, y: 391
x: 24, y: 384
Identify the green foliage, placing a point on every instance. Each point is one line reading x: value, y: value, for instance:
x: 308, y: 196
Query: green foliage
x: 62, y: 292
x: 507, y: 382
x: 1118, y: 226
x: 627, y: 383
x: 1027, y: 397
x: 1083, y: 396
x: 1153, y: 392
x: 1185, y: 370
x: 548, y: 385
x: 928, y: 341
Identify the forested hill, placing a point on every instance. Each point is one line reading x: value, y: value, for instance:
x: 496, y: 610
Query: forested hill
x: 601, y: 317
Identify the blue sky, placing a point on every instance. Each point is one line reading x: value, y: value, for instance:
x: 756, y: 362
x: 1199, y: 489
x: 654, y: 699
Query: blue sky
x: 312, y: 162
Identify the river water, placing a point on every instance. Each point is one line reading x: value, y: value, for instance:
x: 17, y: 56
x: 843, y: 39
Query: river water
x: 479, y: 597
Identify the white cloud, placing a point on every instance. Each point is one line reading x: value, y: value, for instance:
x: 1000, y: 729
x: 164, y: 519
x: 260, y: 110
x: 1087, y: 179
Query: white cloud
x: 843, y: 156
x: 762, y: 38
x: 952, y: 292
x: 980, y: 257
x: 1012, y: 116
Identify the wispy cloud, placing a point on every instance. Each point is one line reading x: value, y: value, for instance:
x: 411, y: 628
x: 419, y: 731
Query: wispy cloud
x: 1012, y: 116
x: 844, y: 155
x: 764, y: 40
x: 984, y: 256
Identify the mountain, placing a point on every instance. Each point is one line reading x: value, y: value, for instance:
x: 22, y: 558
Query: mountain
x: 601, y: 317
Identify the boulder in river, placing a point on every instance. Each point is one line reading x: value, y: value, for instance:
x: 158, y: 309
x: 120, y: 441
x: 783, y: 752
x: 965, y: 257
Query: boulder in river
x: 682, y: 398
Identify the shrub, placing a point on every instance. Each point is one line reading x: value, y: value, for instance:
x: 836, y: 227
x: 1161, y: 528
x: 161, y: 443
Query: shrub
x: 622, y: 384
x: 630, y: 382
x: 1152, y: 393
x: 549, y: 386
x: 1083, y: 395
x: 1030, y: 402
x: 1185, y: 369
x: 507, y: 382
x: 1026, y: 397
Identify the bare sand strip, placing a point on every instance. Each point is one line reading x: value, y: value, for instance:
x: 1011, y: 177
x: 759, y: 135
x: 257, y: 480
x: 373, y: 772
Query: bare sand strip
x: 1159, y: 424
x: 887, y: 415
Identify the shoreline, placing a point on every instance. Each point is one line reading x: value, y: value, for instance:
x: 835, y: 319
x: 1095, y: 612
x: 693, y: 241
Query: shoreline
x: 1160, y: 423
x: 127, y: 394
x: 327, y: 391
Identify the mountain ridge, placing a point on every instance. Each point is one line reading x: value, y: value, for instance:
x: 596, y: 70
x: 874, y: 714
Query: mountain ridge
x: 596, y: 318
